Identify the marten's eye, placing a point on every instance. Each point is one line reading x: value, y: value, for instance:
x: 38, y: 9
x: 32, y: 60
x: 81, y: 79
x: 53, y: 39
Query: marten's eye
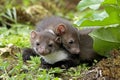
x: 71, y: 42
x: 50, y: 45
x: 37, y: 43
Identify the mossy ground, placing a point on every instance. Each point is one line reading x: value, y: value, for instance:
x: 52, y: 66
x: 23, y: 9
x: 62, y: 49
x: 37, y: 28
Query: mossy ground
x: 106, y: 69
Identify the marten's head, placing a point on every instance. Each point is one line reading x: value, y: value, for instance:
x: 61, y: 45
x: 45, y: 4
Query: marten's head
x: 69, y: 37
x: 45, y: 42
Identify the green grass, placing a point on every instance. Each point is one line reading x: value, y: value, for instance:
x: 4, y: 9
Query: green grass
x: 18, y: 35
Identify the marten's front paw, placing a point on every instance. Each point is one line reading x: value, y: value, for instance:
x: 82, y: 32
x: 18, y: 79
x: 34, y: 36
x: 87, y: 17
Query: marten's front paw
x: 45, y: 66
x: 26, y: 56
x: 26, y: 53
x: 64, y: 66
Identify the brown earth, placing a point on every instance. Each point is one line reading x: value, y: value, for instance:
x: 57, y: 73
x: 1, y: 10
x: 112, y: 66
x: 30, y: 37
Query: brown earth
x: 106, y: 69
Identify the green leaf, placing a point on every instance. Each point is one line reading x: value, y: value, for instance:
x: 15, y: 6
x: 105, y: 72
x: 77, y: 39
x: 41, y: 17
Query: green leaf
x: 14, y: 14
x: 110, y: 2
x: 109, y: 16
x: 92, y: 4
x: 100, y: 16
x: 118, y: 1
x: 106, y: 39
x: 103, y: 19
x: 93, y: 19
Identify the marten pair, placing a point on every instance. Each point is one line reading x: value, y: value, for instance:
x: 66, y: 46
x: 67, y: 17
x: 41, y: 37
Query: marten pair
x: 59, y: 44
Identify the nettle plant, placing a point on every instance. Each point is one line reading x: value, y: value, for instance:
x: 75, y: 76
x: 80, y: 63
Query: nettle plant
x: 104, y: 15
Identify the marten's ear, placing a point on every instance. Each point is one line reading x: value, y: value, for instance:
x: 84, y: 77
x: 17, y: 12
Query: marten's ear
x: 58, y: 39
x: 60, y: 29
x: 33, y: 34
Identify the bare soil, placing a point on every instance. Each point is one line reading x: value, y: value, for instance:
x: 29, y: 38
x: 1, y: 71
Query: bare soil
x: 106, y: 69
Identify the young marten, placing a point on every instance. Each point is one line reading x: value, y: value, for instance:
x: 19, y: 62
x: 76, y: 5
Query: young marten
x: 63, y: 28
x: 48, y: 46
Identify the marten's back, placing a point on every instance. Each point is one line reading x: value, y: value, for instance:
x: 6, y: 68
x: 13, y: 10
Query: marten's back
x: 52, y: 22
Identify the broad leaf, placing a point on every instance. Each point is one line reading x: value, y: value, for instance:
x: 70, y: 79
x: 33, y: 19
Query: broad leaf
x: 118, y: 2
x: 109, y: 16
x: 93, y: 19
x: 92, y: 4
x: 110, y: 2
x: 114, y: 18
x: 106, y: 39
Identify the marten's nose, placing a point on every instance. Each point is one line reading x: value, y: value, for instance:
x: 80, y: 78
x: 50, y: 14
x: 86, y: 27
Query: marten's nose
x: 41, y: 51
x: 75, y: 50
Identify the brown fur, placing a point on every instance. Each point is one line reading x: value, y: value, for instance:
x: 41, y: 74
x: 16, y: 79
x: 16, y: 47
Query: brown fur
x: 64, y: 29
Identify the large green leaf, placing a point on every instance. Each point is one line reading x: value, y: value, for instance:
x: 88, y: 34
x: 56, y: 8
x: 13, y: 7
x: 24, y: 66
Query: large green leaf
x: 114, y: 17
x: 109, y: 16
x: 93, y: 19
x: 106, y: 39
x: 118, y: 1
x: 110, y: 2
x: 92, y: 4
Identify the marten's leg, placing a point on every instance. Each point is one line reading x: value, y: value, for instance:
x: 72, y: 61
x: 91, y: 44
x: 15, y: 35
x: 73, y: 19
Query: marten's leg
x: 45, y: 65
x: 27, y: 52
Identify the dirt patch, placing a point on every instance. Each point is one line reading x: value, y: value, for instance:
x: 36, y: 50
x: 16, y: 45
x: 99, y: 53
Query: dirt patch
x: 106, y: 69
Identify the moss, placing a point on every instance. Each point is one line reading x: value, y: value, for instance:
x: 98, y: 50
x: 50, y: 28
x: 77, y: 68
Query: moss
x: 109, y: 68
